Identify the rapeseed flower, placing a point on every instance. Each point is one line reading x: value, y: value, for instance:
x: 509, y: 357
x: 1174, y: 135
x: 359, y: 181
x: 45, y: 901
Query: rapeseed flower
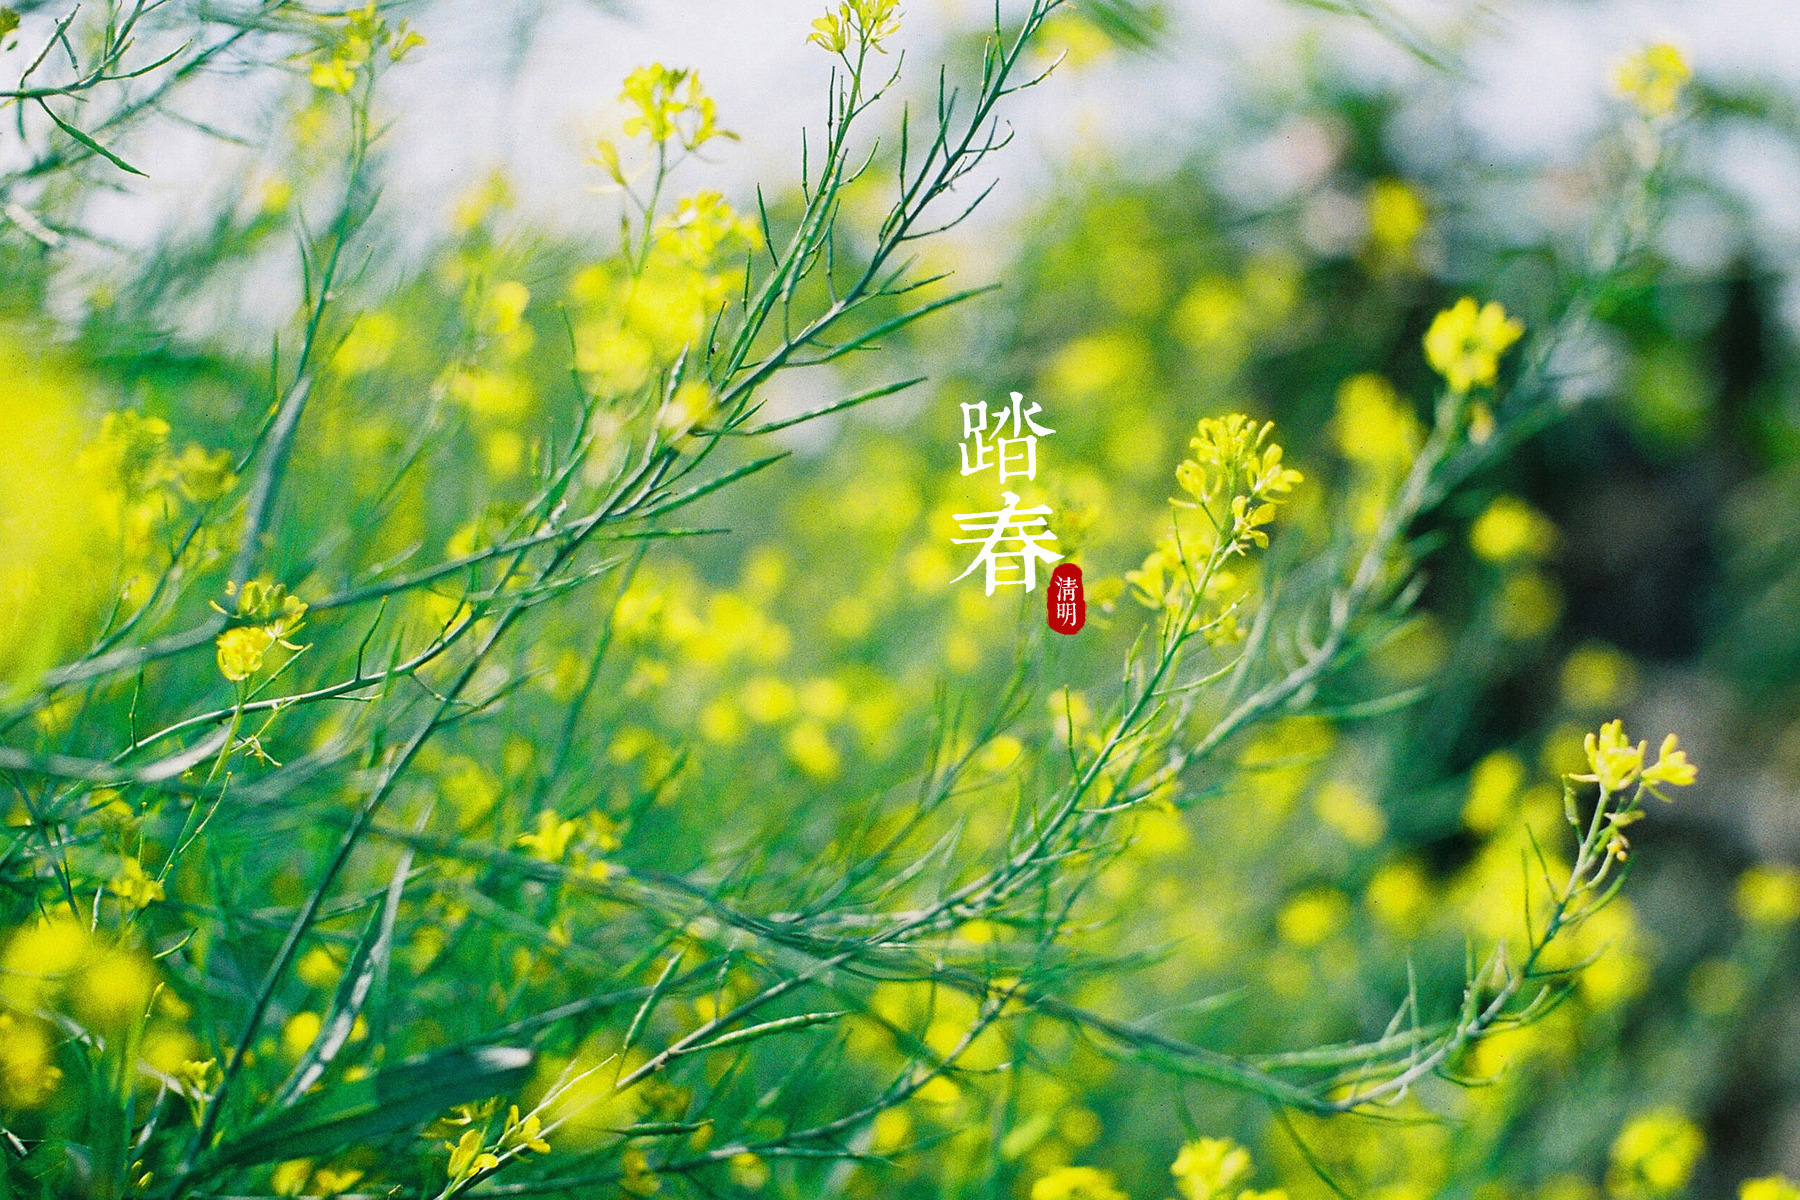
x: 1465, y: 342
x: 1206, y: 1168
x: 1077, y: 1183
x: 1653, y: 79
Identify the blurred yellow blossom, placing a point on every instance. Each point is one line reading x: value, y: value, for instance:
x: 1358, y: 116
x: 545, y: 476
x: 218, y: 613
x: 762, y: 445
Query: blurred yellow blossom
x: 114, y: 987
x: 1465, y: 342
x: 1508, y: 529
x: 1596, y: 675
x: 1653, y: 79
x: 28, y: 1070
x: 1768, y: 895
x: 1206, y: 1168
x: 1654, y: 1155
x: 668, y: 104
x: 1771, y: 1187
x: 1077, y: 1183
x: 134, y: 886
x: 1374, y: 426
x: 299, y: 1032
x: 1397, y: 216
x: 748, y: 1171
x: 1312, y: 918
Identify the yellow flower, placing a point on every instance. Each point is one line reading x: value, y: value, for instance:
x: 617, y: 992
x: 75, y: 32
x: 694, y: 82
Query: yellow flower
x: 1313, y: 918
x: 1397, y: 215
x: 1465, y: 342
x: 1654, y: 1155
x: 639, y: 1179
x: 1509, y: 529
x: 38, y: 958
x: 198, y: 1076
x: 551, y: 841
x: 1374, y: 426
x: 809, y: 747
x: 1596, y: 675
x: 1206, y: 1168
x: 135, y: 887
x: 333, y: 75
x: 299, y: 1033
x: 204, y: 475
x: 670, y: 106
x: 28, y: 1071
x: 749, y: 1171
x: 1077, y: 1183
x: 330, y: 1181
x: 1672, y: 766
x: 1653, y: 79
x: 369, y: 343
x: 856, y: 22
x: 467, y: 1156
x: 1235, y: 461
x: 1773, y: 1187
x: 1613, y: 762
x: 289, y: 1178
x: 526, y: 1133
x: 274, y: 616
x: 114, y: 988
x: 241, y: 651
x: 1769, y: 896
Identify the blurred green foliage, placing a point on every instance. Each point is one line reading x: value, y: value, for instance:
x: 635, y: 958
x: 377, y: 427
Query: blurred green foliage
x: 457, y: 752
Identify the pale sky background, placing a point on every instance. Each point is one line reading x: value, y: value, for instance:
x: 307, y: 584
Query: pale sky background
x: 528, y: 86
x: 1538, y: 90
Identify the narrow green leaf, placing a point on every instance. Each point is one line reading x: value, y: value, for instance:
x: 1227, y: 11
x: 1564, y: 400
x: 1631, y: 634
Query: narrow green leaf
x: 349, y: 1114
x: 89, y: 142
x: 366, y: 962
x: 712, y: 485
x: 826, y: 410
x: 784, y: 1025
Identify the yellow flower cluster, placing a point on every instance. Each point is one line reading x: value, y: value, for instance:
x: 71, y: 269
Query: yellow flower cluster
x: 588, y: 838
x: 1772, y: 1187
x: 1654, y: 1156
x: 857, y: 23
x: 633, y: 319
x: 352, y: 49
x: 1207, y: 1168
x: 668, y: 105
x: 1234, y: 459
x: 1077, y: 1183
x: 57, y: 966
x: 1653, y: 79
x: 1465, y: 342
x: 1204, y: 1169
x: 1615, y: 764
x: 1397, y: 216
x: 270, y: 617
x: 135, y: 886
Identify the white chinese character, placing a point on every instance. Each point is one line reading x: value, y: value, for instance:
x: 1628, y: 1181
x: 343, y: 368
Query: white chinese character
x: 972, y: 436
x: 1015, y: 455
x: 1065, y: 590
x: 1024, y: 526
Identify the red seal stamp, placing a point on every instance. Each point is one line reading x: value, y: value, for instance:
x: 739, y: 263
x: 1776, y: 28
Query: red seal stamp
x: 1064, y: 599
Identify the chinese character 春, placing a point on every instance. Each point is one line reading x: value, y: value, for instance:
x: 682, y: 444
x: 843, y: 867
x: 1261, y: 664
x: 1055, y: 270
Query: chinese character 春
x: 1011, y: 543
x: 1015, y: 455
